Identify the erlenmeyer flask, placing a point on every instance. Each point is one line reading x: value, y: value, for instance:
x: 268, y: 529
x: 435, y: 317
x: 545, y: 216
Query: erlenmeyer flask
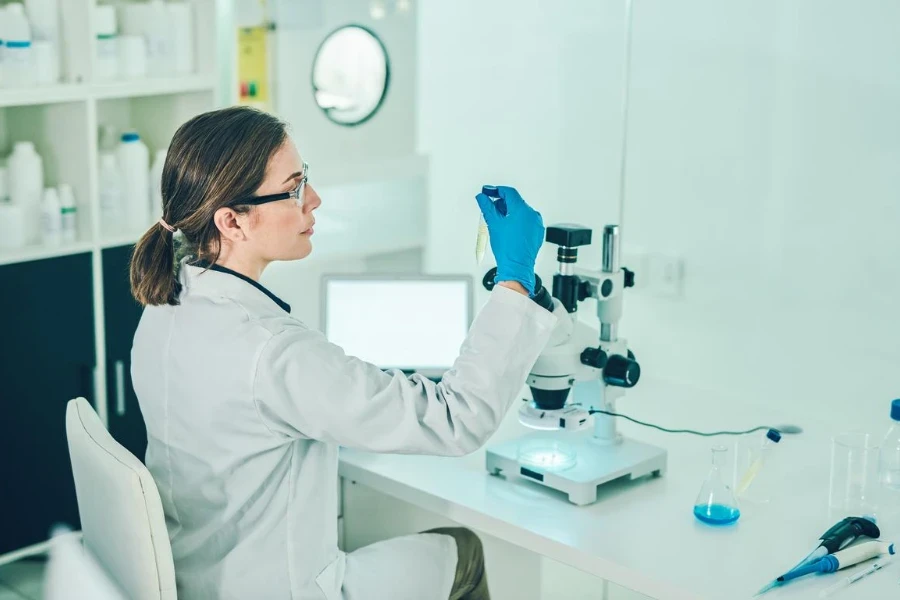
x: 716, y: 504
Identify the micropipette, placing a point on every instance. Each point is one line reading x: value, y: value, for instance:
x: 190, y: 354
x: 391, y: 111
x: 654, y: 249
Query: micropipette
x: 855, y: 577
x: 840, y: 534
x: 841, y: 560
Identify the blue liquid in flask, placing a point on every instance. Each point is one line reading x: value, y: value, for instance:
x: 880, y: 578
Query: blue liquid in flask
x: 717, y: 514
x: 715, y: 504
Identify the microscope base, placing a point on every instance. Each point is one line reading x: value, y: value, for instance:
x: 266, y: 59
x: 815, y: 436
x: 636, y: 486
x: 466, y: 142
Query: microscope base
x: 595, y: 463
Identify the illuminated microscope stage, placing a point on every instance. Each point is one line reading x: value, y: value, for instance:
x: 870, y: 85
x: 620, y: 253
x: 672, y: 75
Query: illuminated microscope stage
x: 595, y: 462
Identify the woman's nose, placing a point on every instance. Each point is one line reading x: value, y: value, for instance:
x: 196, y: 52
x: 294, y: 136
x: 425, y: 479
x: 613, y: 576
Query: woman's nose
x: 312, y: 201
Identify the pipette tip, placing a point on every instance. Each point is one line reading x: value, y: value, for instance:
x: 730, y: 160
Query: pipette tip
x: 765, y: 589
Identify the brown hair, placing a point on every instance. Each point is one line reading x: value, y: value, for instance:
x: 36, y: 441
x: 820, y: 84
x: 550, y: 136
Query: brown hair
x: 214, y: 159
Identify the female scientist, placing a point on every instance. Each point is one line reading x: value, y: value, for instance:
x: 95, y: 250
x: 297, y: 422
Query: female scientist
x: 246, y: 406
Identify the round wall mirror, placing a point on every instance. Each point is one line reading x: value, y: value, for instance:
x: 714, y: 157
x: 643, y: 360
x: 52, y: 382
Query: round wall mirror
x: 350, y: 75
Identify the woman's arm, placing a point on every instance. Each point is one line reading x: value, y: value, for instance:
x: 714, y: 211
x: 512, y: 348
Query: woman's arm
x: 308, y: 387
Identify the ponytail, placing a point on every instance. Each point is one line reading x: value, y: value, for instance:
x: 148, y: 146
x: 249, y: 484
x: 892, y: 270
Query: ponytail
x: 153, y: 277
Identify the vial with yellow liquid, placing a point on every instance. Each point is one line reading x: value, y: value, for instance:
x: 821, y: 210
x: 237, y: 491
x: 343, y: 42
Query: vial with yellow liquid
x: 481, y: 240
x: 749, y: 461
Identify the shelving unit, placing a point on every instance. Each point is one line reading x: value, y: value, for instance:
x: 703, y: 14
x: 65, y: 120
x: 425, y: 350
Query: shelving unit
x: 153, y: 87
x: 63, y: 120
x: 43, y: 95
x: 29, y: 253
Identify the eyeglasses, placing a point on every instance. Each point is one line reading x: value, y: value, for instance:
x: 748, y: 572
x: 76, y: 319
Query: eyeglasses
x: 296, y: 193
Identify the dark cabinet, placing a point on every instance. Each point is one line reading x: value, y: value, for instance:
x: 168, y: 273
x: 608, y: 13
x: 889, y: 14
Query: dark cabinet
x: 122, y: 314
x: 48, y: 358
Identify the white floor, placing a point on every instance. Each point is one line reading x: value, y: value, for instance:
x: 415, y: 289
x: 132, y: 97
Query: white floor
x: 22, y: 580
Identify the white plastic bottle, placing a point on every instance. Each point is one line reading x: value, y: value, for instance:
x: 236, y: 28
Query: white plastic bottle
x: 44, y: 18
x: 158, y: 30
x: 107, y: 60
x: 889, y: 474
x: 12, y: 217
x: 109, y: 139
x: 112, y: 209
x: 26, y: 184
x: 181, y: 22
x: 134, y: 161
x: 150, y: 20
x: 17, y: 58
x: 132, y: 56
x: 45, y: 62
x: 159, y: 160
x: 51, y: 218
x: 69, y: 212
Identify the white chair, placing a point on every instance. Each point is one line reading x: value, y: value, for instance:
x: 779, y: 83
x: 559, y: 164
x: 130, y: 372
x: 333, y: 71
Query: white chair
x: 122, y: 518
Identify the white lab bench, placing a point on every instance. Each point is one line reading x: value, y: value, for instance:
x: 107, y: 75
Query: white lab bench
x: 642, y: 535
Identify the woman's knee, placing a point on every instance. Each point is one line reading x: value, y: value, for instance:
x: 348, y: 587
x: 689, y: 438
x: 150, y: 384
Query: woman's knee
x: 468, y: 544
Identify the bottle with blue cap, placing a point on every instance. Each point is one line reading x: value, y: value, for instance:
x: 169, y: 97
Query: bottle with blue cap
x: 889, y: 474
x: 133, y: 159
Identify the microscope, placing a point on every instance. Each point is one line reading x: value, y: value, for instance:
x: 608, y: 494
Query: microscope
x: 579, y: 372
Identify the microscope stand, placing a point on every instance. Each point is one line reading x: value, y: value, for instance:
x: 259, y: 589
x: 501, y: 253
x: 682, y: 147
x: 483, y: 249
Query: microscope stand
x: 596, y: 463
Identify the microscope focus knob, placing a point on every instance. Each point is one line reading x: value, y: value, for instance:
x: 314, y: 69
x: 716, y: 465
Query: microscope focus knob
x: 621, y: 371
x: 593, y: 357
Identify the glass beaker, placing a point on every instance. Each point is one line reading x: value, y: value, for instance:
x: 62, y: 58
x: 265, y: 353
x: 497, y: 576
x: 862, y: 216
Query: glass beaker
x: 853, y: 486
x: 715, y: 503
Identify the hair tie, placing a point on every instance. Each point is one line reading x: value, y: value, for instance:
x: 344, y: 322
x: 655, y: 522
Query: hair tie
x: 167, y: 226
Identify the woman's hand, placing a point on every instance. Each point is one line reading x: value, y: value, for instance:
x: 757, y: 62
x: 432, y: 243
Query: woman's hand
x: 516, y: 235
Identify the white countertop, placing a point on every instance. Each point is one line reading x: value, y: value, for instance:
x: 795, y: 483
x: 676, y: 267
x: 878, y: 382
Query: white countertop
x: 642, y: 535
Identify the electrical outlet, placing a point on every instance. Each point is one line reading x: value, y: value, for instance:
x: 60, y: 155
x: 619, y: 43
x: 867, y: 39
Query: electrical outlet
x: 665, y: 275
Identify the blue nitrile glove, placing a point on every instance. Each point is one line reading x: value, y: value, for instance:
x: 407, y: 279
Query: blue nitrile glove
x: 516, y: 233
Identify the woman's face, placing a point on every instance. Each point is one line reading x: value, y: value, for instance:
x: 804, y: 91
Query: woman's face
x: 281, y: 230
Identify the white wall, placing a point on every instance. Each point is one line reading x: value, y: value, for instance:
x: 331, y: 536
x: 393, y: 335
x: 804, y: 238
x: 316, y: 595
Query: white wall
x: 764, y: 149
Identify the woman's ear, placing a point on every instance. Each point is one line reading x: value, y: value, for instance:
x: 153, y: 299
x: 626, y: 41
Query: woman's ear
x: 229, y: 225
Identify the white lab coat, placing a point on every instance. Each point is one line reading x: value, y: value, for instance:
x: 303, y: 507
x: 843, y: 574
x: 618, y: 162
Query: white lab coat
x: 245, y: 409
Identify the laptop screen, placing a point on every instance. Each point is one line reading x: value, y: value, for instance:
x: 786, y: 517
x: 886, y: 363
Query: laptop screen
x: 416, y: 323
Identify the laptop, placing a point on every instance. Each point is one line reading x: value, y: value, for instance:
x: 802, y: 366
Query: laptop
x: 415, y: 323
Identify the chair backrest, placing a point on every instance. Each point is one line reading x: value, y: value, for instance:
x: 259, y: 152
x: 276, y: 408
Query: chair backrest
x: 122, y: 519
